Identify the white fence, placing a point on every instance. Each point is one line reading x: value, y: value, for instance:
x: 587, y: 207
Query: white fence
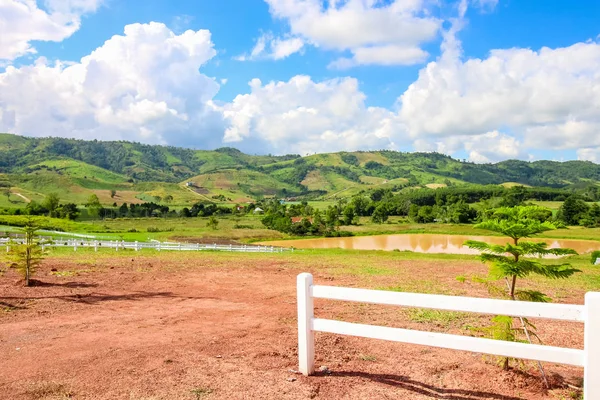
x: 159, y: 246
x: 589, y: 314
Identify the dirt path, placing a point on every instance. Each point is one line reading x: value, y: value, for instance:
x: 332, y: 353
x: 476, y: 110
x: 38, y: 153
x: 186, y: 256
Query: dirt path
x: 28, y: 200
x: 148, y: 328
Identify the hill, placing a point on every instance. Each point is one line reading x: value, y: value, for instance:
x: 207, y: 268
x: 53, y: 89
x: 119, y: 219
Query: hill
x: 34, y: 167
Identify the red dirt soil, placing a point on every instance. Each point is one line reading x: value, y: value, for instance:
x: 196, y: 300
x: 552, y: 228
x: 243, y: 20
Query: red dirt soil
x: 150, y: 328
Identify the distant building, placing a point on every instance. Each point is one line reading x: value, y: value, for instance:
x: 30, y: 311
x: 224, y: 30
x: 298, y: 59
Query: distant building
x: 258, y: 210
x: 189, y: 184
x: 296, y: 220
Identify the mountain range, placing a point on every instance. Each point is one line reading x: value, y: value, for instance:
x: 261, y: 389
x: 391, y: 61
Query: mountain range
x: 30, y: 168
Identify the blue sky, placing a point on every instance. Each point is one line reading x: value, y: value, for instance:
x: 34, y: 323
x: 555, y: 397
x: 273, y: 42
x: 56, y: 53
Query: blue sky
x: 484, y: 80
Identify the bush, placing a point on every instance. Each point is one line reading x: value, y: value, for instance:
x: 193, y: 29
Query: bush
x: 338, y: 234
x: 241, y: 226
x: 153, y: 229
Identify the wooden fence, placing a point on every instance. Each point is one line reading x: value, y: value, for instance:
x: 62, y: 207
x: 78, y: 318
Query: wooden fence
x: 589, y: 314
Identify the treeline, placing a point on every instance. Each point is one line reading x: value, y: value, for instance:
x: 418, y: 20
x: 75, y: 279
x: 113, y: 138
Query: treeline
x: 302, y: 219
x: 445, y: 205
x: 576, y: 211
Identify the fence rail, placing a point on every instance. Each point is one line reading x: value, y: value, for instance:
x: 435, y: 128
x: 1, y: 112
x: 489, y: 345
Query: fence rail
x: 589, y: 314
x: 159, y: 246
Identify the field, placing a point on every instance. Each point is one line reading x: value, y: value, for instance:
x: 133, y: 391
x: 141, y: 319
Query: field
x: 208, y: 325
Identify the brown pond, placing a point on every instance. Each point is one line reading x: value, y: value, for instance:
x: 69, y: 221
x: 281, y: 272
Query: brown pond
x: 422, y: 243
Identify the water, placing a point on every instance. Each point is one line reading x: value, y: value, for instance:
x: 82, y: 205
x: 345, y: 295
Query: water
x: 423, y: 243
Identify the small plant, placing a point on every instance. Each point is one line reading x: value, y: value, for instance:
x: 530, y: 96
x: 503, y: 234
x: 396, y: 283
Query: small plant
x: 213, y: 223
x: 26, y: 257
x: 595, y: 256
x: 515, y: 260
x: 201, y: 392
x: 242, y: 226
x: 438, y: 317
x: 366, y: 357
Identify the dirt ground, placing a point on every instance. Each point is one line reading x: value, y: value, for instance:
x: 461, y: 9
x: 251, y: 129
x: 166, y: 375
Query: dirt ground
x: 159, y: 328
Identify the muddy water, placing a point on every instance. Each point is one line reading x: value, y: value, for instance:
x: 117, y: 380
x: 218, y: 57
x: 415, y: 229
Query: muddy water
x: 419, y: 243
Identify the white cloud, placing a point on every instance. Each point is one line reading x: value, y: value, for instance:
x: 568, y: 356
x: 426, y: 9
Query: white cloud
x: 373, y: 31
x: 382, y: 55
x: 485, y: 5
x: 551, y: 96
x: 282, y: 48
x: 143, y: 85
x: 493, y: 146
x: 303, y: 116
x: 24, y: 21
x: 488, y: 147
x: 589, y: 154
x: 269, y: 47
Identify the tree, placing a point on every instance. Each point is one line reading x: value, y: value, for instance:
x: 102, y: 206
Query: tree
x: 168, y: 199
x: 68, y: 211
x: 212, y: 223
x: 93, y: 205
x: 572, y: 210
x: 349, y: 214
x: 113, y: 193
x: 28, y: 256
x: 332, y: 217
x: 380, y: 214
x: 514, y: 260
x: 515, y: 196
x: 592, y: 218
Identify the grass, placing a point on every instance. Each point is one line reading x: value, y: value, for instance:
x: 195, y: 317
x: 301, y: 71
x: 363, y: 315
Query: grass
x: 201, y: 392
x: 438, y: 317
x: 366, y: 357
x: 48, y: 390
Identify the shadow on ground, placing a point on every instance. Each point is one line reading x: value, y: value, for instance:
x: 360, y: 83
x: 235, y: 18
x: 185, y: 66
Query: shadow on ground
x: 425, y: 389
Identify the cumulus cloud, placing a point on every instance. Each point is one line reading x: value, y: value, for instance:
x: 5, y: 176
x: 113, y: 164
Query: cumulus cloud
x: 547, y: 99
x: 373, y: 32
x: 303, y: 116
x: 24, y: 21
x: 143, y: 85
x: 589, y: 154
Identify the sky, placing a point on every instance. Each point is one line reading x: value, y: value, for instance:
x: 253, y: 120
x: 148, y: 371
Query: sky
x: 481, y: 80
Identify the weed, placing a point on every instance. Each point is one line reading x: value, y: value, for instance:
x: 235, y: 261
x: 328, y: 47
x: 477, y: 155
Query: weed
x: 461, y: 278
x: 440, y: 318
x: 45, y: 390
x: 63, y: 273
x: 201, y: 392
x: 366, y: 357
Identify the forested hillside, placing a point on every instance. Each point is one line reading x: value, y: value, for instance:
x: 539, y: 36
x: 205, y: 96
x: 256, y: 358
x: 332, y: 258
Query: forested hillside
x: 39, y: 165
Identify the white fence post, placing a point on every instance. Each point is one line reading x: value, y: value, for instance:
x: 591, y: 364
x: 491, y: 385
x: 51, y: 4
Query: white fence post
x: 136, y: 246
x: 306, y: 336
x: 591, y: 370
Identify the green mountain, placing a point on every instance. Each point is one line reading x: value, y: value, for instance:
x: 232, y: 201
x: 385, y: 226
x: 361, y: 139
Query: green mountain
x: 32, y: 167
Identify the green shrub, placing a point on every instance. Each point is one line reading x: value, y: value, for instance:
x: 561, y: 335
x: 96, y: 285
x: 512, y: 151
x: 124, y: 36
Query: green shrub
x: 595, y: 256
